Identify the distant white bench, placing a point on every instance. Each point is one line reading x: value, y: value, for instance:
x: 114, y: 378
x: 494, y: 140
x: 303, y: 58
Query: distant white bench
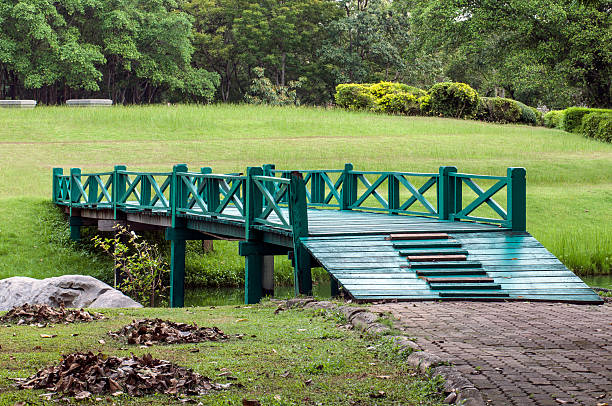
x: 18, y: 104
x: 89, y: 102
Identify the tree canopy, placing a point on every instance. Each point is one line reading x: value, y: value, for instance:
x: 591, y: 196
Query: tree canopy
x: 139, y: 51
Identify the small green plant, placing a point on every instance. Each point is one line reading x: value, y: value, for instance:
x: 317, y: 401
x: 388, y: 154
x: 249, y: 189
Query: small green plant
x: 139, y: 262
x: 498, y: 110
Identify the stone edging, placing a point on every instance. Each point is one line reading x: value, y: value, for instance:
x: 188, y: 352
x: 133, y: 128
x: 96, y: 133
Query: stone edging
x: 460, y: 389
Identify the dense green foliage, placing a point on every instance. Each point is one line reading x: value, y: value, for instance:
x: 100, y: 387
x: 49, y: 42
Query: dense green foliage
x: 131, y: 51
x: 598, y: 126
x: 571, y: 119
x: 498, y: 110
x: 552, y: 119
x: 539, y: 52
x: 137, y: 51
x: 386, y: 97
x: 448, y: 99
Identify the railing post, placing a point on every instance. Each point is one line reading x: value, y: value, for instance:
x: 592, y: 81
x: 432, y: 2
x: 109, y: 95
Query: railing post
x: 349, y: 188
x: 393, y: 198
x: 517, y: 199
x: 446, y: 192
x: 75, y: 197
x: 119, y: 183
x: 317, y: 188
x: 178, y: 199
x: 253, y: 262
x: 298, y: 215
x: 75, y: 193
x: 145, y: 190
x: 92, y: 191
x: 57, y: 172
x: 203, y: 190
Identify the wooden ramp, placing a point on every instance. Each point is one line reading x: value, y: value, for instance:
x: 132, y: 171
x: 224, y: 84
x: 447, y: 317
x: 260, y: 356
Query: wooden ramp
x: 494, y: 265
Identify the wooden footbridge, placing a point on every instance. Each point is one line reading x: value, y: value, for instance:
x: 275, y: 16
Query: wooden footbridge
x: 380, y: 235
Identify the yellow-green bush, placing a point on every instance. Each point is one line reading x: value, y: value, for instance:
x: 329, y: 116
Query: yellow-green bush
x: 453, y: 99
x: 354, y: 96
x: 398, y: 103
x: 552, y: 118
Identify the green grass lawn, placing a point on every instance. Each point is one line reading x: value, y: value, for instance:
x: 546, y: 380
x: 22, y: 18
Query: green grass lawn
x: 569, y: 177
x: 295, y: 357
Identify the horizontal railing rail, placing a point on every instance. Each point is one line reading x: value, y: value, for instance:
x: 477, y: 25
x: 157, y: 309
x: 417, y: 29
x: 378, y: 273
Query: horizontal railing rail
x: 262, y: 198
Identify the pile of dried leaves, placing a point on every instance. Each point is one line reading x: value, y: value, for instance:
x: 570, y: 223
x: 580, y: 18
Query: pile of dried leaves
x: 38, y: 314
x: 155, y: 331
x: 84, y: 374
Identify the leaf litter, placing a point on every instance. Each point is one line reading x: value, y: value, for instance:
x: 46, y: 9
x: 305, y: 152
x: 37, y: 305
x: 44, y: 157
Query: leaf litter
x: 41, y: 314
x: 156, y: 331
x: 85, y: 374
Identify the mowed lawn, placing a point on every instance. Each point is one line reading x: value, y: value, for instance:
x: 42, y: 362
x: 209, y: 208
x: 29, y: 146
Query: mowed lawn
x: 569, y: 178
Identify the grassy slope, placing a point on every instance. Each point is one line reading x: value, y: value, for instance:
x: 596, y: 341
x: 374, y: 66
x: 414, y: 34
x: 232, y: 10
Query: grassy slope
x: 277, y: 355
x: 569, y: 177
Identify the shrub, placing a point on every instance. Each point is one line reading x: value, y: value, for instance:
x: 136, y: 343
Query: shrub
x: 571, y: 119
x: 552, y: 118
x: 382, y: 88
x: 539, y: 116
x: 528, y: 115
x: 398, y: 103
x: 498, y: 109
x: 425, y: 104
x: 597, y: 125
x: 354, y: 96
x: 450, y: 99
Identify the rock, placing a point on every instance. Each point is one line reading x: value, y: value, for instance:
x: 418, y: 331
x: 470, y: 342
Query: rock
x: 89, y: 102
x: 350, y: 311
x: 423, y: 361
x: 18, y: 104
x: 73, y: 290
x: 363, y: 320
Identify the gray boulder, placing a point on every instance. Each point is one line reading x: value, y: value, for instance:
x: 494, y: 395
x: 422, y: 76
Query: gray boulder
x: 72, y: 290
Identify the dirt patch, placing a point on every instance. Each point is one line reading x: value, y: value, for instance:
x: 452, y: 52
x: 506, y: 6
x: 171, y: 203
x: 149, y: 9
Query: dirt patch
x: 157, y: 331
x: 40, y: 315
x: 85, y: 374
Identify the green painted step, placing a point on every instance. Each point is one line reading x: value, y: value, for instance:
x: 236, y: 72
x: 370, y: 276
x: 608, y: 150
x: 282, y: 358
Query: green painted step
x: 473, y: 294
x: 451, y: 286
x: 450, y: 272
x: 427, y: 244
x: 445, y: 264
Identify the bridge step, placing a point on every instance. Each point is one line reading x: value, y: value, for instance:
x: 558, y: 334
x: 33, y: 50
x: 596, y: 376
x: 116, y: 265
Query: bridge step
x: 467, y: 286
x: 445, y: 264
x: 451, y: 272
x: 436, y: 258
x: 458, y: 279
x: 434, y: 251
x: 474, y: 294
x: 427, y: 244
x: 418, y: 236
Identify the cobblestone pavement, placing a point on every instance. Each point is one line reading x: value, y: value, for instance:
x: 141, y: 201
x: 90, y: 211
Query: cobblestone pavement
x: 519, y: 353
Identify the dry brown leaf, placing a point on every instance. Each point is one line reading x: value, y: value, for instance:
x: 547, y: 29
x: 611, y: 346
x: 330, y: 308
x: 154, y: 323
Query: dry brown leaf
x: 48, y: 335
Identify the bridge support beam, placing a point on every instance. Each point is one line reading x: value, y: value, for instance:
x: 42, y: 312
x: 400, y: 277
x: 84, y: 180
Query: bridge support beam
x: 177, y: 273
x: 259, y: 268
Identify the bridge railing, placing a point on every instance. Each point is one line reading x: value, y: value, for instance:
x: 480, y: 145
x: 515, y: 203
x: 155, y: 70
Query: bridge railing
x: 210, y: 194
x: 83, y: 189
x: 456, y: 207
x: 142, y: 190
x: 440, y: 195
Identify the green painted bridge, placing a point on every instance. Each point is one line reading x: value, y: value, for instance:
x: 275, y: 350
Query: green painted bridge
x: 380, y: 235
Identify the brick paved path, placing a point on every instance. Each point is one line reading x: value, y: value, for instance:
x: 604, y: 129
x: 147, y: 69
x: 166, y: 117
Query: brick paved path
x: 519, y: 353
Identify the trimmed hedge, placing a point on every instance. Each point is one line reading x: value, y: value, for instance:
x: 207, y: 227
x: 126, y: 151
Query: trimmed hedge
x: 498, y: 110
x: 552, y: 119
x: 528, y: 115
x: 387, y: 97
x: 571, y: 120
x: 597, y: 125
x: 354, y: 96
x: 453, y: 99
